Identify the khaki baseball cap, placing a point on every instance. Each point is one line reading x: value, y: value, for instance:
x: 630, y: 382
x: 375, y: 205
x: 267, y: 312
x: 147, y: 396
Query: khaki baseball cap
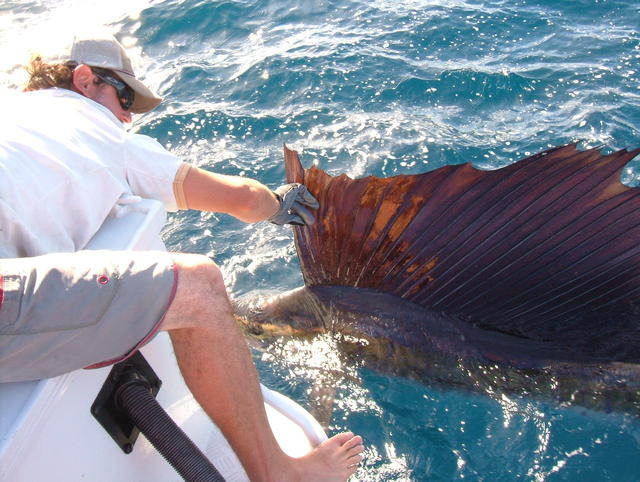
x: 106, y: 52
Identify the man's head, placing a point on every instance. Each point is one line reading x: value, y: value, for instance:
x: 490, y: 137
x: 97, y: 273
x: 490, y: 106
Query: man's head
x: 100, y: 69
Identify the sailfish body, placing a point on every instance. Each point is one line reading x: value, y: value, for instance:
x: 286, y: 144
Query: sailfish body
x: 525, y: 278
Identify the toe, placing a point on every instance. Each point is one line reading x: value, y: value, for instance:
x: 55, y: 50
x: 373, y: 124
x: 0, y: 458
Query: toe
x: 355, y: 450
x: 352, y: 442
x: 339, y: 439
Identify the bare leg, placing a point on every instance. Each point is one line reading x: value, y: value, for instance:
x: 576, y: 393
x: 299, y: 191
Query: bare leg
x: 216, y: 364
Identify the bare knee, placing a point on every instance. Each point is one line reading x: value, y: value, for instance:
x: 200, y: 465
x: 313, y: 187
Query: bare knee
x: 198, y: 271
x: 201, y: 297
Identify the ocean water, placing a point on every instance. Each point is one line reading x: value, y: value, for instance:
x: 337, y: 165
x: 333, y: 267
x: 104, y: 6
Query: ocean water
x: 378, y: 87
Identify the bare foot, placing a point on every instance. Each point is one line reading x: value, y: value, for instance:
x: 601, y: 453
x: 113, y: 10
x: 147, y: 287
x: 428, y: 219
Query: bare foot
x: 335, y: 459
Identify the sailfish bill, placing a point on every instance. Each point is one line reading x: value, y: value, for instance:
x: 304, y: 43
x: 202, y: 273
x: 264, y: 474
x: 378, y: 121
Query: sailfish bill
x: 524, y: 278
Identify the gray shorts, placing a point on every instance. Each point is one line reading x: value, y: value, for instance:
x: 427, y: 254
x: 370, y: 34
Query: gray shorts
x: 62, y: 312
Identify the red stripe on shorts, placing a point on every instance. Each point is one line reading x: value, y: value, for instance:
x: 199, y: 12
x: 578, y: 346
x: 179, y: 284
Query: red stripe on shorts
x: 1, y: 290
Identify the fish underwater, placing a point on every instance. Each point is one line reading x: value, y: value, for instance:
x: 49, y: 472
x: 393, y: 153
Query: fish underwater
x: 522, y: 280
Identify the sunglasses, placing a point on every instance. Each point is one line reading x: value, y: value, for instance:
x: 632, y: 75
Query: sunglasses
x: 126, y: 94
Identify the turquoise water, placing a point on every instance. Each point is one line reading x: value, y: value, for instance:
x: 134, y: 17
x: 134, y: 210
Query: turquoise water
x: 382, y: 87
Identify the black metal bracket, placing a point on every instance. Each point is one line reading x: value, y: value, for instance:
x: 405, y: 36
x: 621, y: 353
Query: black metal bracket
x: 105, y: 408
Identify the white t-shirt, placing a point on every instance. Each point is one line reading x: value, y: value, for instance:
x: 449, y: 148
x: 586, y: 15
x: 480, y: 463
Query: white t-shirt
x: 65, y: 161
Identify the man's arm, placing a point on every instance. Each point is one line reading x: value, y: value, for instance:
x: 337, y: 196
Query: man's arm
x: 243, y: 198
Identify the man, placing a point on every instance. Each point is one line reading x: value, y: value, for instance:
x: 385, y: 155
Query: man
x: 65, y: 162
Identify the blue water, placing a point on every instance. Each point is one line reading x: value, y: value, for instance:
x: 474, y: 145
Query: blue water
x: 383, y: 87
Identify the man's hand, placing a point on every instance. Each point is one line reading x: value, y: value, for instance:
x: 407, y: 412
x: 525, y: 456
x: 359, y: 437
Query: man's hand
x: 294, y: 200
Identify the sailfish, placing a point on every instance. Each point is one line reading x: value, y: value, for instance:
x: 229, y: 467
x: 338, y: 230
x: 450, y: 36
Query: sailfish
x: 523, y: 279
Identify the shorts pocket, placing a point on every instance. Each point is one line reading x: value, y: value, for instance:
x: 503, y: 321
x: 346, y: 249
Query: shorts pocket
x: 12, y: 288
x: 57, y: 292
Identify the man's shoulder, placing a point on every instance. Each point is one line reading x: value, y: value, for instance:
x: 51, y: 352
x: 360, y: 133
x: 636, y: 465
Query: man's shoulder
x: 53, y: 92
x: 63, y: 102
x: 41, y: 100
x: 10, y: 96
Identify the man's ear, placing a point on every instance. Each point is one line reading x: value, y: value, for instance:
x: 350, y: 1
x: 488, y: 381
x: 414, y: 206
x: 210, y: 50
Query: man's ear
x: 82, y: 81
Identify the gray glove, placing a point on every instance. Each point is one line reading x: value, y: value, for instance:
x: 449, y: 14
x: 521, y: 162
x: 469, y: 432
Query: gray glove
x: 293, y: 199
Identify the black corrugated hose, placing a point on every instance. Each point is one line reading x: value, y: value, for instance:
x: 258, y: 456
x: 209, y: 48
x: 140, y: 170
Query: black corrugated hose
x: 175, y: 446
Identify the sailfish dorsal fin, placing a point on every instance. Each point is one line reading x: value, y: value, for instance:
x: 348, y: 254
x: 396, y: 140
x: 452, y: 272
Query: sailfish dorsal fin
x: 546, y: 245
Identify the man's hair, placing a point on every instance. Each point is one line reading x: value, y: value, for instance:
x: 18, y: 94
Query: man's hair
x: 43, y: 75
